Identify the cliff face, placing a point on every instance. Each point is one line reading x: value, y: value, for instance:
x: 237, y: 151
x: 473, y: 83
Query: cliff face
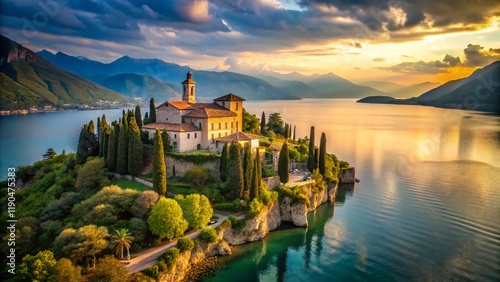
x: 189, y: 258
x: 347, y: 175
x: 255, y: 228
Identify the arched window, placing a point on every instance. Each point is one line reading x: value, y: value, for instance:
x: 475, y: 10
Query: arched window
x: 212, y: 126
x: 236, y: 126
x: 232, y: 125
x: 192, y: 91
x: 220, y: 126
x: 226, y: 125
x: 236, y: 105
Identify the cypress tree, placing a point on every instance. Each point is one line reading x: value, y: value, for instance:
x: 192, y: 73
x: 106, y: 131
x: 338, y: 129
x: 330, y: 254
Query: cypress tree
x: 146, y: 118
x: 247, y: 167
x: 294, y: 131
x: 101, y: 139
x: 310, y: 157
x: 91, y: 127
x: 88, y: 145
x: 103, y: 120
x: 285, y: 131
x: 166, y: 141
x: 152, y: 111
x: 99, y: 123
x: 122, y: 151
x: 105, y: 142
x: 284, y: 164
x: 138, y: 116
x: 134, y: 149
x: 322, y: 154
x: 255, y: 183
x: 258, y: 164
x: 316, y: 157
x: 159, y: 167
x: 112, y: 147
x: 263, y: 124
x: 224, y: 158
x: 235, y: 182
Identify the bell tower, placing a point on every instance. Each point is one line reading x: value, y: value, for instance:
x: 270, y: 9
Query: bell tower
x: 188, y: 89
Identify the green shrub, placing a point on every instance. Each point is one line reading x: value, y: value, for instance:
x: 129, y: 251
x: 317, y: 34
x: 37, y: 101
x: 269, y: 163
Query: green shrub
x: 268, y: 171
x: 264, y: 142
x: 152, y: 271
x: 185, y: 244
x: 233, y: 206
x: 198, y: 158
x: 199, y: 176
x: 267, y: 196
x: 170, y: 257
x: 208, y: 235
x: 237, y: 224
x: 254, y: 208
x: 162, y: 266
x: 213, y: 193
x: 295, y: 194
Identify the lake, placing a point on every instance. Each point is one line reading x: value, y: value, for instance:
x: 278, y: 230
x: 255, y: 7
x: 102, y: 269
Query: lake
x: 427, y: 206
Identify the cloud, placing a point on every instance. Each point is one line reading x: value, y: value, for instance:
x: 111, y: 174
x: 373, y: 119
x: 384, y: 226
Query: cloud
x: 379, y: 60
x: 475, y: 56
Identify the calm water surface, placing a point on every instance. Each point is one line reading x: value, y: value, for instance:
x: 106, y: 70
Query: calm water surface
x: 427, y: 206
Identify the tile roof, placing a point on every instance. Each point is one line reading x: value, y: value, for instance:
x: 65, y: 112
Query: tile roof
x: 229, y: 97
x: 237, y: 137
x: 183, y: 127
x: 210, y: 113
x: 181, y: 105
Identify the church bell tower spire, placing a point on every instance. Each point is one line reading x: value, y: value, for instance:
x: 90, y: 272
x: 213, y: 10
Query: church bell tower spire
x: 188, y: 88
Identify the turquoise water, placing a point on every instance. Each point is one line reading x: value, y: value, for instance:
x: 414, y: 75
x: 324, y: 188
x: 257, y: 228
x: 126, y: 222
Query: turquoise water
x: 427, y: 207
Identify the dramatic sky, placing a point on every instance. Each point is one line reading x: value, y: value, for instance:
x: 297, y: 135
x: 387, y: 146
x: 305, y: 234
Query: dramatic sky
x: 405, y: 41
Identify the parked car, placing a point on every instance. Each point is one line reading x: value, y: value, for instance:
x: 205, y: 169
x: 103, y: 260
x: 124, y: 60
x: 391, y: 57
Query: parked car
x: 213, y: 221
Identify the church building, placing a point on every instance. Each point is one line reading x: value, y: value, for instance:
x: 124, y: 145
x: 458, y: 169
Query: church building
x: 201, y: 126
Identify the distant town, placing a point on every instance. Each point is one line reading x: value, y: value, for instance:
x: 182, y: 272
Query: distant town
x: 98, y: 105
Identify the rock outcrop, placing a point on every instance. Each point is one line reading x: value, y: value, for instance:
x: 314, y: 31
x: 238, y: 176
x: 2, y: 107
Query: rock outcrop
x: 188, y: 258
x: 255, y: 228
x: 347, y: 175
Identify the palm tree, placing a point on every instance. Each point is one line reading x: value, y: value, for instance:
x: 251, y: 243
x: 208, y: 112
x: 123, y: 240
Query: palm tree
x: 120, y: 240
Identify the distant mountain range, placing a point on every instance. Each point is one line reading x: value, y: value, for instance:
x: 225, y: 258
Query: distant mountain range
x: 209, y: 85
x: 27, y: 80
x: 400, y: 91
x: 480, y: 91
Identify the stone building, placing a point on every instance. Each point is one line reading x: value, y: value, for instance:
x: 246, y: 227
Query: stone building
x: 201, y: 126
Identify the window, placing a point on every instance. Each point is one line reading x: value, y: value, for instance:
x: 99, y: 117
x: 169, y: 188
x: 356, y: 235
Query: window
x: 220, y: 126
x: 212, y: 126
x: 199, y: 126
x: 226, y: 134
x: 195, y: 135
x: 236, y: 105
x: 226, y: 125
x: 219, y: 134
x: 236, y: 126
x: 175, y: 136
x: 189, y: 136
x: 232, y: 125
x: 212, y: 136
x: 223, y: 104
x: 175, y: 145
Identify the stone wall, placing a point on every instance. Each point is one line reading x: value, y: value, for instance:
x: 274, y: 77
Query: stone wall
x: 181, y: 166
x: 347, y: 175
x: 272, y: 182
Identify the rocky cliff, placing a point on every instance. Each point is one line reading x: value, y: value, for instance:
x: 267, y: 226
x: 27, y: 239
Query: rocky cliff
x: 254, y: 229
x: 347, y: 175
x: 189, y: 258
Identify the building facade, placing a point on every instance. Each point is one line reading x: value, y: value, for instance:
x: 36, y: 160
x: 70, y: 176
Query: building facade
x: 199, y: 126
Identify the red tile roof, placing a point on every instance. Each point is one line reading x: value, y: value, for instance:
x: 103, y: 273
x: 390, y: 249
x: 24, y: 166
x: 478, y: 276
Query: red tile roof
x: 237, y: 137
x: 183, y: 127
x: 229, y: 97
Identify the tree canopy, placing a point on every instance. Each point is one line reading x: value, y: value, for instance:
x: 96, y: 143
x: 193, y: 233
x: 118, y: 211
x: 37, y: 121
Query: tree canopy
x: 109, y: 269
x: 91, y: 176
x: 39, y: 267
x: 250, y: 123
x: 275, y: 123
x: 135, y: 153
x: 235, y: 182
x: 284, y: 164
x: 166, y: 220
x: 196, y: 209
